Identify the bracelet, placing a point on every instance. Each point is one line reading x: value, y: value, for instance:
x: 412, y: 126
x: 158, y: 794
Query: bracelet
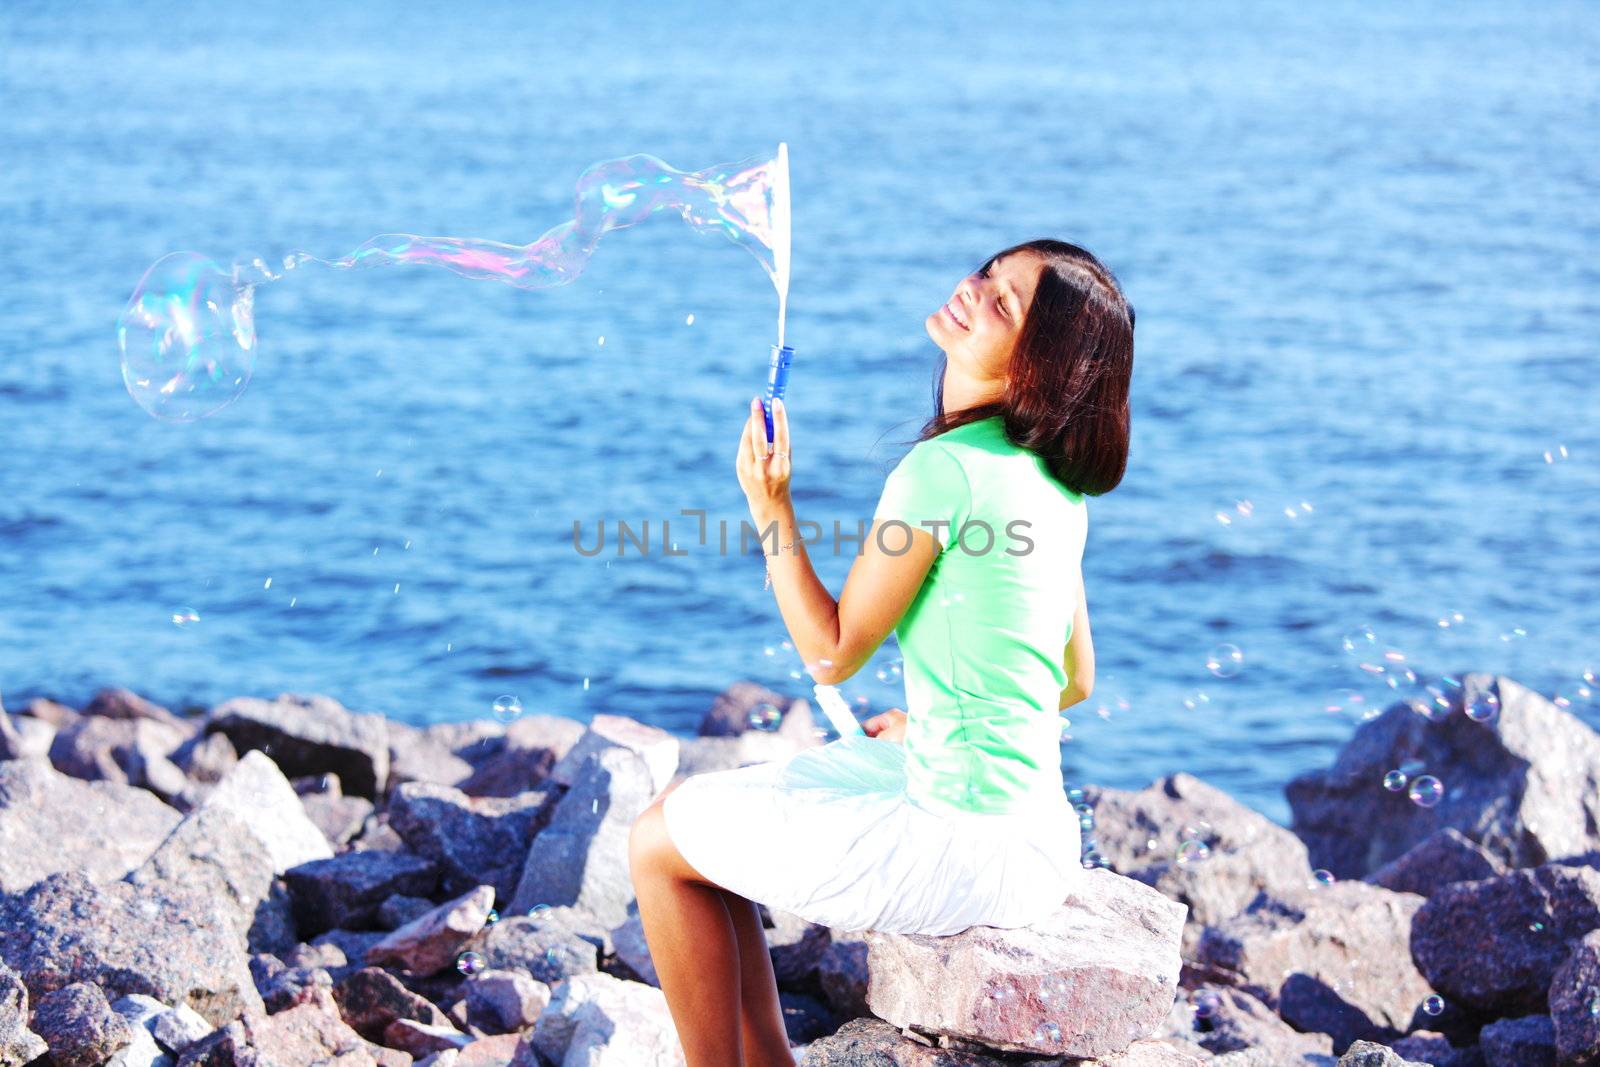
x: 768, y: 583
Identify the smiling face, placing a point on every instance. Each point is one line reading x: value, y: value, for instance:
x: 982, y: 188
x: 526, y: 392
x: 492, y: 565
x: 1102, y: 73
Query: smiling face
x: 978, y: 326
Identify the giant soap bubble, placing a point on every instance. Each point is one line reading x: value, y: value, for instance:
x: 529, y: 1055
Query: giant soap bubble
x: 188, y: 336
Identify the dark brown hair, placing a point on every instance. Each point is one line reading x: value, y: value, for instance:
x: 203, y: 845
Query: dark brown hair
x: 1067, y: 394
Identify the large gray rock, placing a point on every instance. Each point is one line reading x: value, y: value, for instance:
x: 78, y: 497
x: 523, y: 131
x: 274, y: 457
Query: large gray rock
x: 128, y: 751
x: 1220, y: 1019
x: 419, y: 756
x: 654, y: 746
x: 1333, y: 960
x: 1440, y: 859
x: 1526, y: 1042
x: 729, y: 714
x: 1575, y: 1003
x: 307, y: 735
x: 345, y: 892
x: 1143, y: 835
x: 602, y: 1021
x: 1372, y: 1054
x: 796, y: 945
x: 340, y: 818
x: 249, y: 829
x: 581, y: 858
x: 843, y: 974
x: 50, y: 823
x: 303, y: 1035
x: 18, y: 1044
x: 529, y: 751
x: 1431, y: 1047
x: 77, y: 1022
x: 505, y: 1002
x: 1107, y: 959
x: 474, y: 840
x: 429, y: 943
x: 1525, y: 784
x: 371, y: 999
x: 166, y: 942
x: 1495, y: 945
x: 116, y: 703
x: 546, y: 951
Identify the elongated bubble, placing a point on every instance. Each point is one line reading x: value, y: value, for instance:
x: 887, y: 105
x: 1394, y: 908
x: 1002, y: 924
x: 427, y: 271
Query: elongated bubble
x: 188, y: 336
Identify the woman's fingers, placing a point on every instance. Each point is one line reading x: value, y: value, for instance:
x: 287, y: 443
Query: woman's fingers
x: 758, y: 432
x: 780, y: 427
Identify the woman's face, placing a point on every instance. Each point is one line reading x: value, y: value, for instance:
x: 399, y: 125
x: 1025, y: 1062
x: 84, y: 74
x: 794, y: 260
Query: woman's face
x: 978, y: 326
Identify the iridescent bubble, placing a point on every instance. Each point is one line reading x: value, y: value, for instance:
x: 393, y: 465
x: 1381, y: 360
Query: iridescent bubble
x: 188, y: 336
x: 506, y: 708
x: 1225, y: 660
x: 469, y: 963
x: 552, y: 956
x: 1432, y: 1004
x: 1394, y: 781
x: 1425, y: 791
x: 1483, y: 706
x: 1083, y: 808
x: 1430, y: 700
x: 1204, y: 1003
x: 492, y: 918
x: 765, y: 717
x: 538, y: 911
x: 1580, y: 693
x: 1075, y: 794
x: 1347, y: 701
x: 1594, y: 1004
x: 1095, y: 858
x: 1047, y: 1033
x: 1196, y: 829
x: 1195, y: 700
x: 185, y: 616
x: 1321, y: 877
x: 1192, y: 852
x: 1086, y: 822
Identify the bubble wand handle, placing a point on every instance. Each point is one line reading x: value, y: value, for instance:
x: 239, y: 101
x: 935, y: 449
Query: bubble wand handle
x: 777, y: 381
x: 837, y: 711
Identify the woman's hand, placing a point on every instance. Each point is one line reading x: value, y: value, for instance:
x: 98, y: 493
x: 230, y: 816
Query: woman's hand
x: 763, y: 477
x: 887, y: 725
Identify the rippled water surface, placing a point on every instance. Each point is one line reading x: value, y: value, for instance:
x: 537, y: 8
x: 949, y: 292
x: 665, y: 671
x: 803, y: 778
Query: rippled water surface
x: 1362, y: 240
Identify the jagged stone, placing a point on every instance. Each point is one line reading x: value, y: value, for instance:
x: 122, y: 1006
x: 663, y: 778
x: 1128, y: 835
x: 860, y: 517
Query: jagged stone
x: 429, y: 943
x: 1107, y: 958
x: 474, y: 840
x: 1526, y: 1042
x: 77, y: 1022
x: 1440, y: 859
x: 312, y: 734
x: 546, y: 951
x: 346, y: 891
x: 1525, y: 784
x: 654, y: 746
x: 18, y: 1044
x: 505, y: 1002
x: 370, y: 999
x: 603, y: 1021
x: 1574, y: 1001
x: 529, y: 751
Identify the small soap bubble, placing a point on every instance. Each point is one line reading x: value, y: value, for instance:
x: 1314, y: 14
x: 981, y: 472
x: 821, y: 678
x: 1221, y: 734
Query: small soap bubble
x: 1075, y: 794
x: 1347, y: 701
x: 469, y: 963
x: 1536, y: 927
x: 1594, y: 1004
x: 538, y: 911
x: 1195, y: 700
x: 1556, y: 454
x: 1425, y: 791
x: 764, y: 717
x: 1321, y: 877
x: 506, y: 708
x: 1429, y: 700
x: 601, y: 341
x: 268, y: 584
x: 1095, y: 858
x: 594, y: 806
x: 688, y: 320
x: 1047, y: 1033
x: 552, y: 956
x: 1197, y: 830
x: 1432, y: 1004
x: 1394, y: 781
x: 1193, y: 852
x: 1225, y: 660
x: 1483, y: 706
x: 1516, y: 633
x: 1450, y: 619
x: 1204, y: 1003
x: 185, y: 616
x: 1086, y: 822
x: 492, y: 918
x: 1083, y: 808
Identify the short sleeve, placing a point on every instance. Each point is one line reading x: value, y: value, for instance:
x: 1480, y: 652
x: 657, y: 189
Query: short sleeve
x: 928, y: 489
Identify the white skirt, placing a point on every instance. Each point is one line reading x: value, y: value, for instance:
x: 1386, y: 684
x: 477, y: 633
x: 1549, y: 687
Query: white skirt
x: 830, y: 835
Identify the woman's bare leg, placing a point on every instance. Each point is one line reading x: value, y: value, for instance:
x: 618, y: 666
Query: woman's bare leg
x: 693, y: 945
x: 763, y: 1040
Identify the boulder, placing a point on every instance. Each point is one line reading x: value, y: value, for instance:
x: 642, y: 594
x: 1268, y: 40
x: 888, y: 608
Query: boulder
x: 346, y: 891
x: 1107, y: 958
x: 310, y: 735
x: 51, y: 823
x: 303, y: 1035
x: 339, y: 952
x: 1433, y: 1048
x: 370, y: 999
x: 53, y: 712
x: 546, y: 951
x: 1525, y: 783
x: 401, y: 909
x: 842, y: 973
x: 1575, y: 1004
x: 654, y: 746
x: 1332, y: 960
x: 474, y: 840
x: 1372, y: 1054
x: 18, y: 1044
x: 505, y: 1002
x: 420, y: 1039
x: 77, y: 1022
x: 1241, y: 852
x: 206, y: 758
x: 602, y: 1021
x: 1440, y: 859
x: 1220, y: 1019
x: 418, y: 756
x: 166, y: 942
x: 796, y: 946
x: 115, y: 703
x: 805, y: 1018
x: 249, y: 829
x: 1495, y: 945
x: 1526, y: 1042
x: 529, y: 751
x: 629, y: 944
x: 141, y: 1013
x: 581, y: 858
x: 127, y: 751
x: 338, y: 817
x: 429, y: 943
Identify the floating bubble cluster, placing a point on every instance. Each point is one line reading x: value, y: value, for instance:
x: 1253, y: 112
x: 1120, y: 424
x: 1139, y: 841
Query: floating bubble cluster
x: 188, y: 335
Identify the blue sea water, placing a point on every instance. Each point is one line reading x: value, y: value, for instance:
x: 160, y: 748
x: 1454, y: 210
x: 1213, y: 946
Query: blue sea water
x: 1363, y: 241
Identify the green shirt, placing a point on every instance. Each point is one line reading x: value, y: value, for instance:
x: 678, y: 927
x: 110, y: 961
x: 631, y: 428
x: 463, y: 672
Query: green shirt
x: 984, y: 638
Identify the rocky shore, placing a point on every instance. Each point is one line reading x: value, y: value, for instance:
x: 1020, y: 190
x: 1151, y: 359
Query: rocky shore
x: 283, y: 882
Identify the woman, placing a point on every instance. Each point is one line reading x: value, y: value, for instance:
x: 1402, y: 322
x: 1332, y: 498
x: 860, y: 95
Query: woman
x: 954, y: 814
